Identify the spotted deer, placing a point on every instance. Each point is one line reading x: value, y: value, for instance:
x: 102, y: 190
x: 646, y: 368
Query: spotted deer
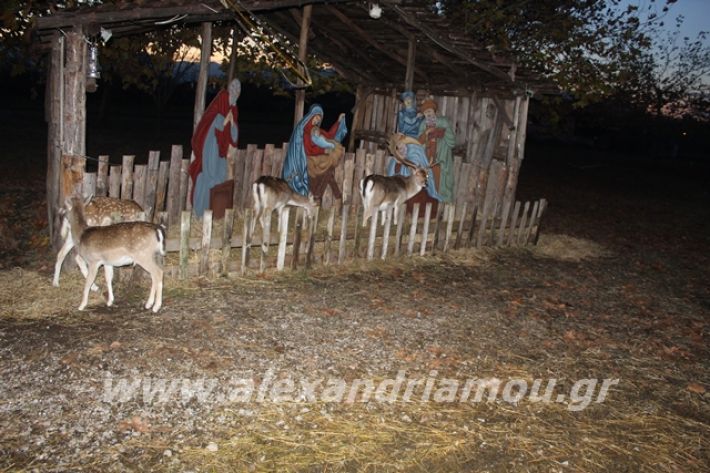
x: 380, y: 193
x: 98, y: 211
x: 273, y: 193
x: 118, y: 244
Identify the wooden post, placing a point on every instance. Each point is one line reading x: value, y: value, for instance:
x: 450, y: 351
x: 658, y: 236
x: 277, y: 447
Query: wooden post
x: 55, y: 89
x: 74, y: 100
x: 233, y: 55
x: 205, y: 53
x: 411, y: 53
x: 302, y: 56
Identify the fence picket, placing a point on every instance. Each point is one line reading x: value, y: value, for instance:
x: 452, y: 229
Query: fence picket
x: 283, y: 237
x: 413, y: 229
x: 206, y: 240
x: 343, y: 233
x: 127, y: 177
x: 114, y: 182
x: 246, y: 240
x: 462, y: 224
x: 386, y: 231
x: 173, y: 204
x: 513, y: 223
x: 451, y: 215
x: 227, y: 240
x: 102, y: 176
x: 401, y: 213
x: 425, y: 231
x: 373, y: 236
x: 523, y: 218
x: 185, y: 221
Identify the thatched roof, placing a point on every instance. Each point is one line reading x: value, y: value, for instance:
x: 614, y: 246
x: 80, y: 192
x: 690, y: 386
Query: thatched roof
x: 366, y: 51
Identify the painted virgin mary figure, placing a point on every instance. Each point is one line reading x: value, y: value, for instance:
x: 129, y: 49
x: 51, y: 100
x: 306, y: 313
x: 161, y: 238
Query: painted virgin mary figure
x: 215, y: 133
x: 406, y: 148
x: 408, y: 119
x: 313, y: 153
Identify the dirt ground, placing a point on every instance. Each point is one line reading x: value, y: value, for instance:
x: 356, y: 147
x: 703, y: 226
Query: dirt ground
x: 617, y: 289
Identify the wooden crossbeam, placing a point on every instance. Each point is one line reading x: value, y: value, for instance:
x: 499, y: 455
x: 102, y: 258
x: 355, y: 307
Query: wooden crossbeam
x: 99, y: 15
x: 369, y: 40
x: 444, y: 44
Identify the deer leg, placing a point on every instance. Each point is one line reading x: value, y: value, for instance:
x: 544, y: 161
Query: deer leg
x: 63, y: 252
x: 155, y: 299
x: 108, y: 274
x: 82, y: 267
x: 91, y: 275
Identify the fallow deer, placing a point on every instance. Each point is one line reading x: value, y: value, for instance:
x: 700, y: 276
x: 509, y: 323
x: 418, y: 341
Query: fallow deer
x: 119, y: 244
x: 273, y: 193
x: 380, y: 193
x: 98, y: 211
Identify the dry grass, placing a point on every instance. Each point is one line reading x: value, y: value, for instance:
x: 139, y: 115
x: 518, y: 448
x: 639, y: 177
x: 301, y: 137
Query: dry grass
x: 568, y: 248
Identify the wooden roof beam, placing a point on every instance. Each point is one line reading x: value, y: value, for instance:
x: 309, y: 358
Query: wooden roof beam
x: 368, y: 39
x: 444, y: 44
x: 103, y: 15
x: 348, y: 70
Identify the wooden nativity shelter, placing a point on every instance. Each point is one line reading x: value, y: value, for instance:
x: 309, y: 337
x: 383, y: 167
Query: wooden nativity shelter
x: 482, y: 92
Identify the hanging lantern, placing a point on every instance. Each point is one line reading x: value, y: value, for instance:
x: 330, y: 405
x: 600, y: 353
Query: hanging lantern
x: 94, y: 69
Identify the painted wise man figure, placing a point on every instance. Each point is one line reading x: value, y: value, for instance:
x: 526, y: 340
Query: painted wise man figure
x: 313, y: 154
x: 438, y: 138
x: 215, y: 133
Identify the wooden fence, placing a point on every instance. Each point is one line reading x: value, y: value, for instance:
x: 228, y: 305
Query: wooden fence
x: 334, y: 235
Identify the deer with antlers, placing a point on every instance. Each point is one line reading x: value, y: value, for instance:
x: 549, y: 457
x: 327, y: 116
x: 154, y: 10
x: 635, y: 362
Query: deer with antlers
x: 119, y: 244
x: 98, y: 211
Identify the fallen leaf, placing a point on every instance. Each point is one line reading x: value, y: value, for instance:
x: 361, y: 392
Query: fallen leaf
x: 696, y: 388
x: 135, y: 423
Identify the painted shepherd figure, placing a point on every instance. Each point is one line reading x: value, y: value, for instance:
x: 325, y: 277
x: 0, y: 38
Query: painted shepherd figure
x: 216, y: 131
x: 408, y: 120
x: 438, y: 138
x: 313, y: 153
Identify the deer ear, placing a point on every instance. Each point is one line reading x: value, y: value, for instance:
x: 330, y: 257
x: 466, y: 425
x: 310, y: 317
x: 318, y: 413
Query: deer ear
x: 88, y: 199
